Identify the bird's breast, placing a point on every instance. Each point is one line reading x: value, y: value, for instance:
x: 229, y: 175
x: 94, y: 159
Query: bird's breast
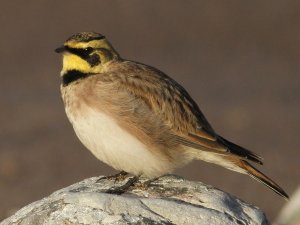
x: 110, y: 143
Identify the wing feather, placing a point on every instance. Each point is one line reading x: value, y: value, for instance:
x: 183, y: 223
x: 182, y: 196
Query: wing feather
x: 172, y: 104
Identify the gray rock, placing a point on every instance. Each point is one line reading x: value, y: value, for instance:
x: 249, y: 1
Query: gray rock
x: 168, y: 200
x: 290, y: 214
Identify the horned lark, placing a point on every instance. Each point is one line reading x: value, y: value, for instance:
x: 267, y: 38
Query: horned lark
x: 137, y: 119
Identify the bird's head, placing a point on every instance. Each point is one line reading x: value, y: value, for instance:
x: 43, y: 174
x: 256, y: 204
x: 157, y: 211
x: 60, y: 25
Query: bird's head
x: 87, y: 52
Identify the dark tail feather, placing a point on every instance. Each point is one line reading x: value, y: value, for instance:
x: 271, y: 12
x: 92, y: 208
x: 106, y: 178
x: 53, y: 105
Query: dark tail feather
x: 260, y: 177
x: 240, y: 151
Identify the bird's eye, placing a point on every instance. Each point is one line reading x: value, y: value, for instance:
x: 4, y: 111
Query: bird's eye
x: 82, y: 52
x: 88, y: 49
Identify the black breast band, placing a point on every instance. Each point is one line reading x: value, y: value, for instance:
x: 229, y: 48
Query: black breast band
x: 74, y: 75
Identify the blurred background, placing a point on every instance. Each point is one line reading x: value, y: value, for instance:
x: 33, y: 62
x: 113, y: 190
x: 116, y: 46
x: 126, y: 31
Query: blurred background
x: 238, y: 59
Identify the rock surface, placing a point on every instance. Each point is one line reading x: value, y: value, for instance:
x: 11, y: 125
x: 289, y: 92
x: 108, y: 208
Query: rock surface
x: 168, y: 200
x: 290, y: 214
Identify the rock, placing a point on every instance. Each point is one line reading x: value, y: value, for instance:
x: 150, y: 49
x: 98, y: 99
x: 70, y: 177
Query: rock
x: 290, y: 214
x: 168, y: 200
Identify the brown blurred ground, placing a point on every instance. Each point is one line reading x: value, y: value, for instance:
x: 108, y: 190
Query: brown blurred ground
x: 238, y: 59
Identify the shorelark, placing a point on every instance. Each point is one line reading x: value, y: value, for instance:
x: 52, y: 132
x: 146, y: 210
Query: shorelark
x: 137, y: 119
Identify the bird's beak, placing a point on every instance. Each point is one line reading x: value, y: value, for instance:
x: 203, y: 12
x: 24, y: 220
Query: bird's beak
x: 60, y: 49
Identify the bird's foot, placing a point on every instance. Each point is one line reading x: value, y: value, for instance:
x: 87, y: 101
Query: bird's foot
x: 122, y: 189
x: 117, y: 177
x: 145, y: 185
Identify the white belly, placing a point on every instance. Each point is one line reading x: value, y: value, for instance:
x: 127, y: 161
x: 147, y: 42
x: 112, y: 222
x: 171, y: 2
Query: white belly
x: 115, y: 146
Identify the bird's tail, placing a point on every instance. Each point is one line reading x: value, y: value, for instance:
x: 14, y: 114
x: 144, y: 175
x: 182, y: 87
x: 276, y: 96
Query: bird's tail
x: 260, y: 177
x: 241, y: 166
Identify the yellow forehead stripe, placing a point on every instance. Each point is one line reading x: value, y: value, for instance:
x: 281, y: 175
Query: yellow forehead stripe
x: 93, y: 44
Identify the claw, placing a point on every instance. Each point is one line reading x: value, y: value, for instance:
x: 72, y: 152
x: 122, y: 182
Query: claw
x: 117, y: 177
x: 122, y: 189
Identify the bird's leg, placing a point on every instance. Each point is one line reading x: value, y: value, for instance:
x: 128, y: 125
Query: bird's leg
x: 148, y: 182
x: 118, y: 177
x: 145, y: 185
x: 122, y: 189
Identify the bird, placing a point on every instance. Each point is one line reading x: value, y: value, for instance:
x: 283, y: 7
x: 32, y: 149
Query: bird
x: 137, y: 119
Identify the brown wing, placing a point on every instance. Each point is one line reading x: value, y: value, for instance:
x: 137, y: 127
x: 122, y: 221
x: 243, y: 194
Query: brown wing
x: 173, y: 105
